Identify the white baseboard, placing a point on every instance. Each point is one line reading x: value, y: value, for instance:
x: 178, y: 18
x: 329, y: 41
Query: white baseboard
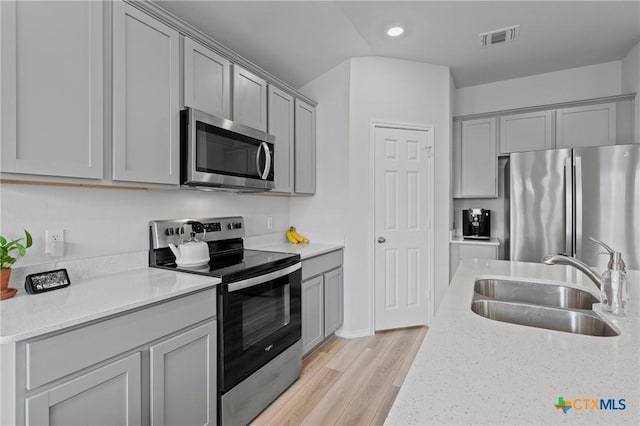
x: 351, y: 334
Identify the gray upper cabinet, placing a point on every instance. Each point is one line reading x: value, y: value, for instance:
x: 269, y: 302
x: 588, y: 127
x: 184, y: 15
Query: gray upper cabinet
x: 52, y: 88
x: 110, y: 395
x: 478, y: 159
x: 207, y: 80
x: 183, y: 378
x: 305, y: 148
x: 146, y: 108
x: 281, y: 106
x: 589, y: 125
x: 249, y: 99
x: 530, y: 131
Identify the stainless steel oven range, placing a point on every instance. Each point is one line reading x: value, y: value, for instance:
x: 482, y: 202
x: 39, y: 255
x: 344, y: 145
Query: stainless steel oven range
x: 258, y: 308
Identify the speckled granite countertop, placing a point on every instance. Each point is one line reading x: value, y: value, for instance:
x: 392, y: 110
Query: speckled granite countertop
x: 26, y: 315
x: 472, y: 370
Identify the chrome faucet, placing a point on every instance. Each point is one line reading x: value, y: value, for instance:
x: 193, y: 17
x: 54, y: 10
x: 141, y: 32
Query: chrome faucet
x: 561, y: 259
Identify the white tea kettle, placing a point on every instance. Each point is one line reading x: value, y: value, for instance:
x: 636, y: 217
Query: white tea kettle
x: 191, y: 252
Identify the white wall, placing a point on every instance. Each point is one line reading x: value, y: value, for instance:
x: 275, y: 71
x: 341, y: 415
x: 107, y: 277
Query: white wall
x: 108, y: 221
x: 321, y: 217
x: 391, y: 90
x: 574, y: 84
x: 630, y: 76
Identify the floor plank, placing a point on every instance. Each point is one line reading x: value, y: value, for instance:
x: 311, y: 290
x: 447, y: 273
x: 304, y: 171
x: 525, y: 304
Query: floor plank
x: 348, y: 381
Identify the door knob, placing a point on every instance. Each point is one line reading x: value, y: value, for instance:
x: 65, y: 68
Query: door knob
x: 382, y: 240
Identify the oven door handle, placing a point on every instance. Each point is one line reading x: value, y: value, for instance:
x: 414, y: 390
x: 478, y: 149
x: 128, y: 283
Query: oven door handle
x: 261, y: 279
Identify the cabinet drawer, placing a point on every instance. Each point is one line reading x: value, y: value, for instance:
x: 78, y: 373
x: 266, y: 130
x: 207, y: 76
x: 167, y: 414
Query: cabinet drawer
x: 321, y: 264
x: 56, y: 356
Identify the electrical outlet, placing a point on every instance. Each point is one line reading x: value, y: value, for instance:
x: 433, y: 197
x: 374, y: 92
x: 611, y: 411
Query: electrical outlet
x: 54, y: 242
x: 270, y: 222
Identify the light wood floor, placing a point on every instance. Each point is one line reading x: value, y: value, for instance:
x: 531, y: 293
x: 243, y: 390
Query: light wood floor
x: 348, y: 381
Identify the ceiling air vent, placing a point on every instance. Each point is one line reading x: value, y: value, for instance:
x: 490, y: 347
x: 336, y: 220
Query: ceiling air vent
x: 503, y: 35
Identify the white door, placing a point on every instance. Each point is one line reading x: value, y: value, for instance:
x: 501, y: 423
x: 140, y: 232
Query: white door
x: 402, y: 218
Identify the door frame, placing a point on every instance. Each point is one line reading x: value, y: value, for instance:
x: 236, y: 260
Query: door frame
x: 431, y: 243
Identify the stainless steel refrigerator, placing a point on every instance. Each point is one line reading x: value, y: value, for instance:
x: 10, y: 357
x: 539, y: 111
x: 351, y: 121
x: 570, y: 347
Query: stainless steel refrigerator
x: 559, y: 198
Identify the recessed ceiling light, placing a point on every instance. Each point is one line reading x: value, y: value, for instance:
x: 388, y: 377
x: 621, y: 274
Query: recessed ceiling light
x: 395, y: 31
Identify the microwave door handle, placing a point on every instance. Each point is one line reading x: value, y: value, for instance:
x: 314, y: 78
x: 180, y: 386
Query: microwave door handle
x: 267, y: 163
x: 258, y: 159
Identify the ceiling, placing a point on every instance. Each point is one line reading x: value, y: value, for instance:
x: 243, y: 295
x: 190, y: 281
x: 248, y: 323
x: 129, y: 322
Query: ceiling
x: 299, y: 40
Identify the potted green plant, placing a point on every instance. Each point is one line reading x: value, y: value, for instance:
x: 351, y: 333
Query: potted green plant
x: 8, y: 256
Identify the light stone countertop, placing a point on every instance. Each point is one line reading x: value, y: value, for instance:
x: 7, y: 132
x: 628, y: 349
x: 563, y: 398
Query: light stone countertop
x: 472, y: 370
x: 26, y: 315
x: 458, y: 239
x: 305, y: 251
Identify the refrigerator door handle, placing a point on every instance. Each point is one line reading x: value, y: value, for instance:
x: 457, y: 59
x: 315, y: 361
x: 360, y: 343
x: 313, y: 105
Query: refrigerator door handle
x: 578, y: 184
x: 568, y: 207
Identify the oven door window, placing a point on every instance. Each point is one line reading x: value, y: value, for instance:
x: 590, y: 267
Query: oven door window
x: 264, y: 312
x: 223, y: 152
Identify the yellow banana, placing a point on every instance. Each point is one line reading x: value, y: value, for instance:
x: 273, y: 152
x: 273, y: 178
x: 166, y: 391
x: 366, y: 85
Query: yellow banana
x: 291, y: 238
x: 297, y: 236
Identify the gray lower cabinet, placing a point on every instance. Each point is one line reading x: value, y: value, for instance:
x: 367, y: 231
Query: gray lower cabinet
x: 312, y: 313
x: 322, y: 298
x: 183, y: 366
x: 155, y: 365
x: 333, y: 301
x: 110, y: 395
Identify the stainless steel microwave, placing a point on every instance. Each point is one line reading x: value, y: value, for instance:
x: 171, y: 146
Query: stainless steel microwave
x: 218, y: 153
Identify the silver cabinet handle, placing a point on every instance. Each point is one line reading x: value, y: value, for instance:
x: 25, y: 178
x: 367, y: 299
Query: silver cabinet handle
x: 382, y: 240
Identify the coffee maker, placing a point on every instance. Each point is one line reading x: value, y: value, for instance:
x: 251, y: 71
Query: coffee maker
x: 476, y: 224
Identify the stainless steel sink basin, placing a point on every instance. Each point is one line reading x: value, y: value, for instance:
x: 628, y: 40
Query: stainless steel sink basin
x: 543, y: 317
x: 536, y: 294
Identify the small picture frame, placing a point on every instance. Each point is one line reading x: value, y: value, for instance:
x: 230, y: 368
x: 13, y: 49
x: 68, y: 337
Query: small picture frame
x: 46, y: 281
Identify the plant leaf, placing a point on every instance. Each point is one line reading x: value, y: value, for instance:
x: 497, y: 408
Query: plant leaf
x: 3, y: 240
x: 21, y: 249
x: 29, y: 239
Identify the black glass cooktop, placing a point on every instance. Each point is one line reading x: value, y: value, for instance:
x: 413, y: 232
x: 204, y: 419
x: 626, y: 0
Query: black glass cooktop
x: 237, y: 266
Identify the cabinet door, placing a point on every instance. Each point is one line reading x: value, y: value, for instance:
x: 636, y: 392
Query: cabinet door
x: 532, y: 131
x: 249, y: 99
x: 591, y: 125
x: 145, y: 98
x: 110, y: 395
x: 51, y: 88
x: 312, y: 313
x: 183, y: 378
x: 305, y: 148
x: 207, y: 80
x: 281, y: 126
x: 333, y: 301
x: 479, y: 165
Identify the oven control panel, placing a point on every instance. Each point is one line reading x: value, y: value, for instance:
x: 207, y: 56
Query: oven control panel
x: 163, y: 232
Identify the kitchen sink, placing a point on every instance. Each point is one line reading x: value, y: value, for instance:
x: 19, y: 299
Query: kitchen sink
x: 534, y: 293
x: 570, y: 321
